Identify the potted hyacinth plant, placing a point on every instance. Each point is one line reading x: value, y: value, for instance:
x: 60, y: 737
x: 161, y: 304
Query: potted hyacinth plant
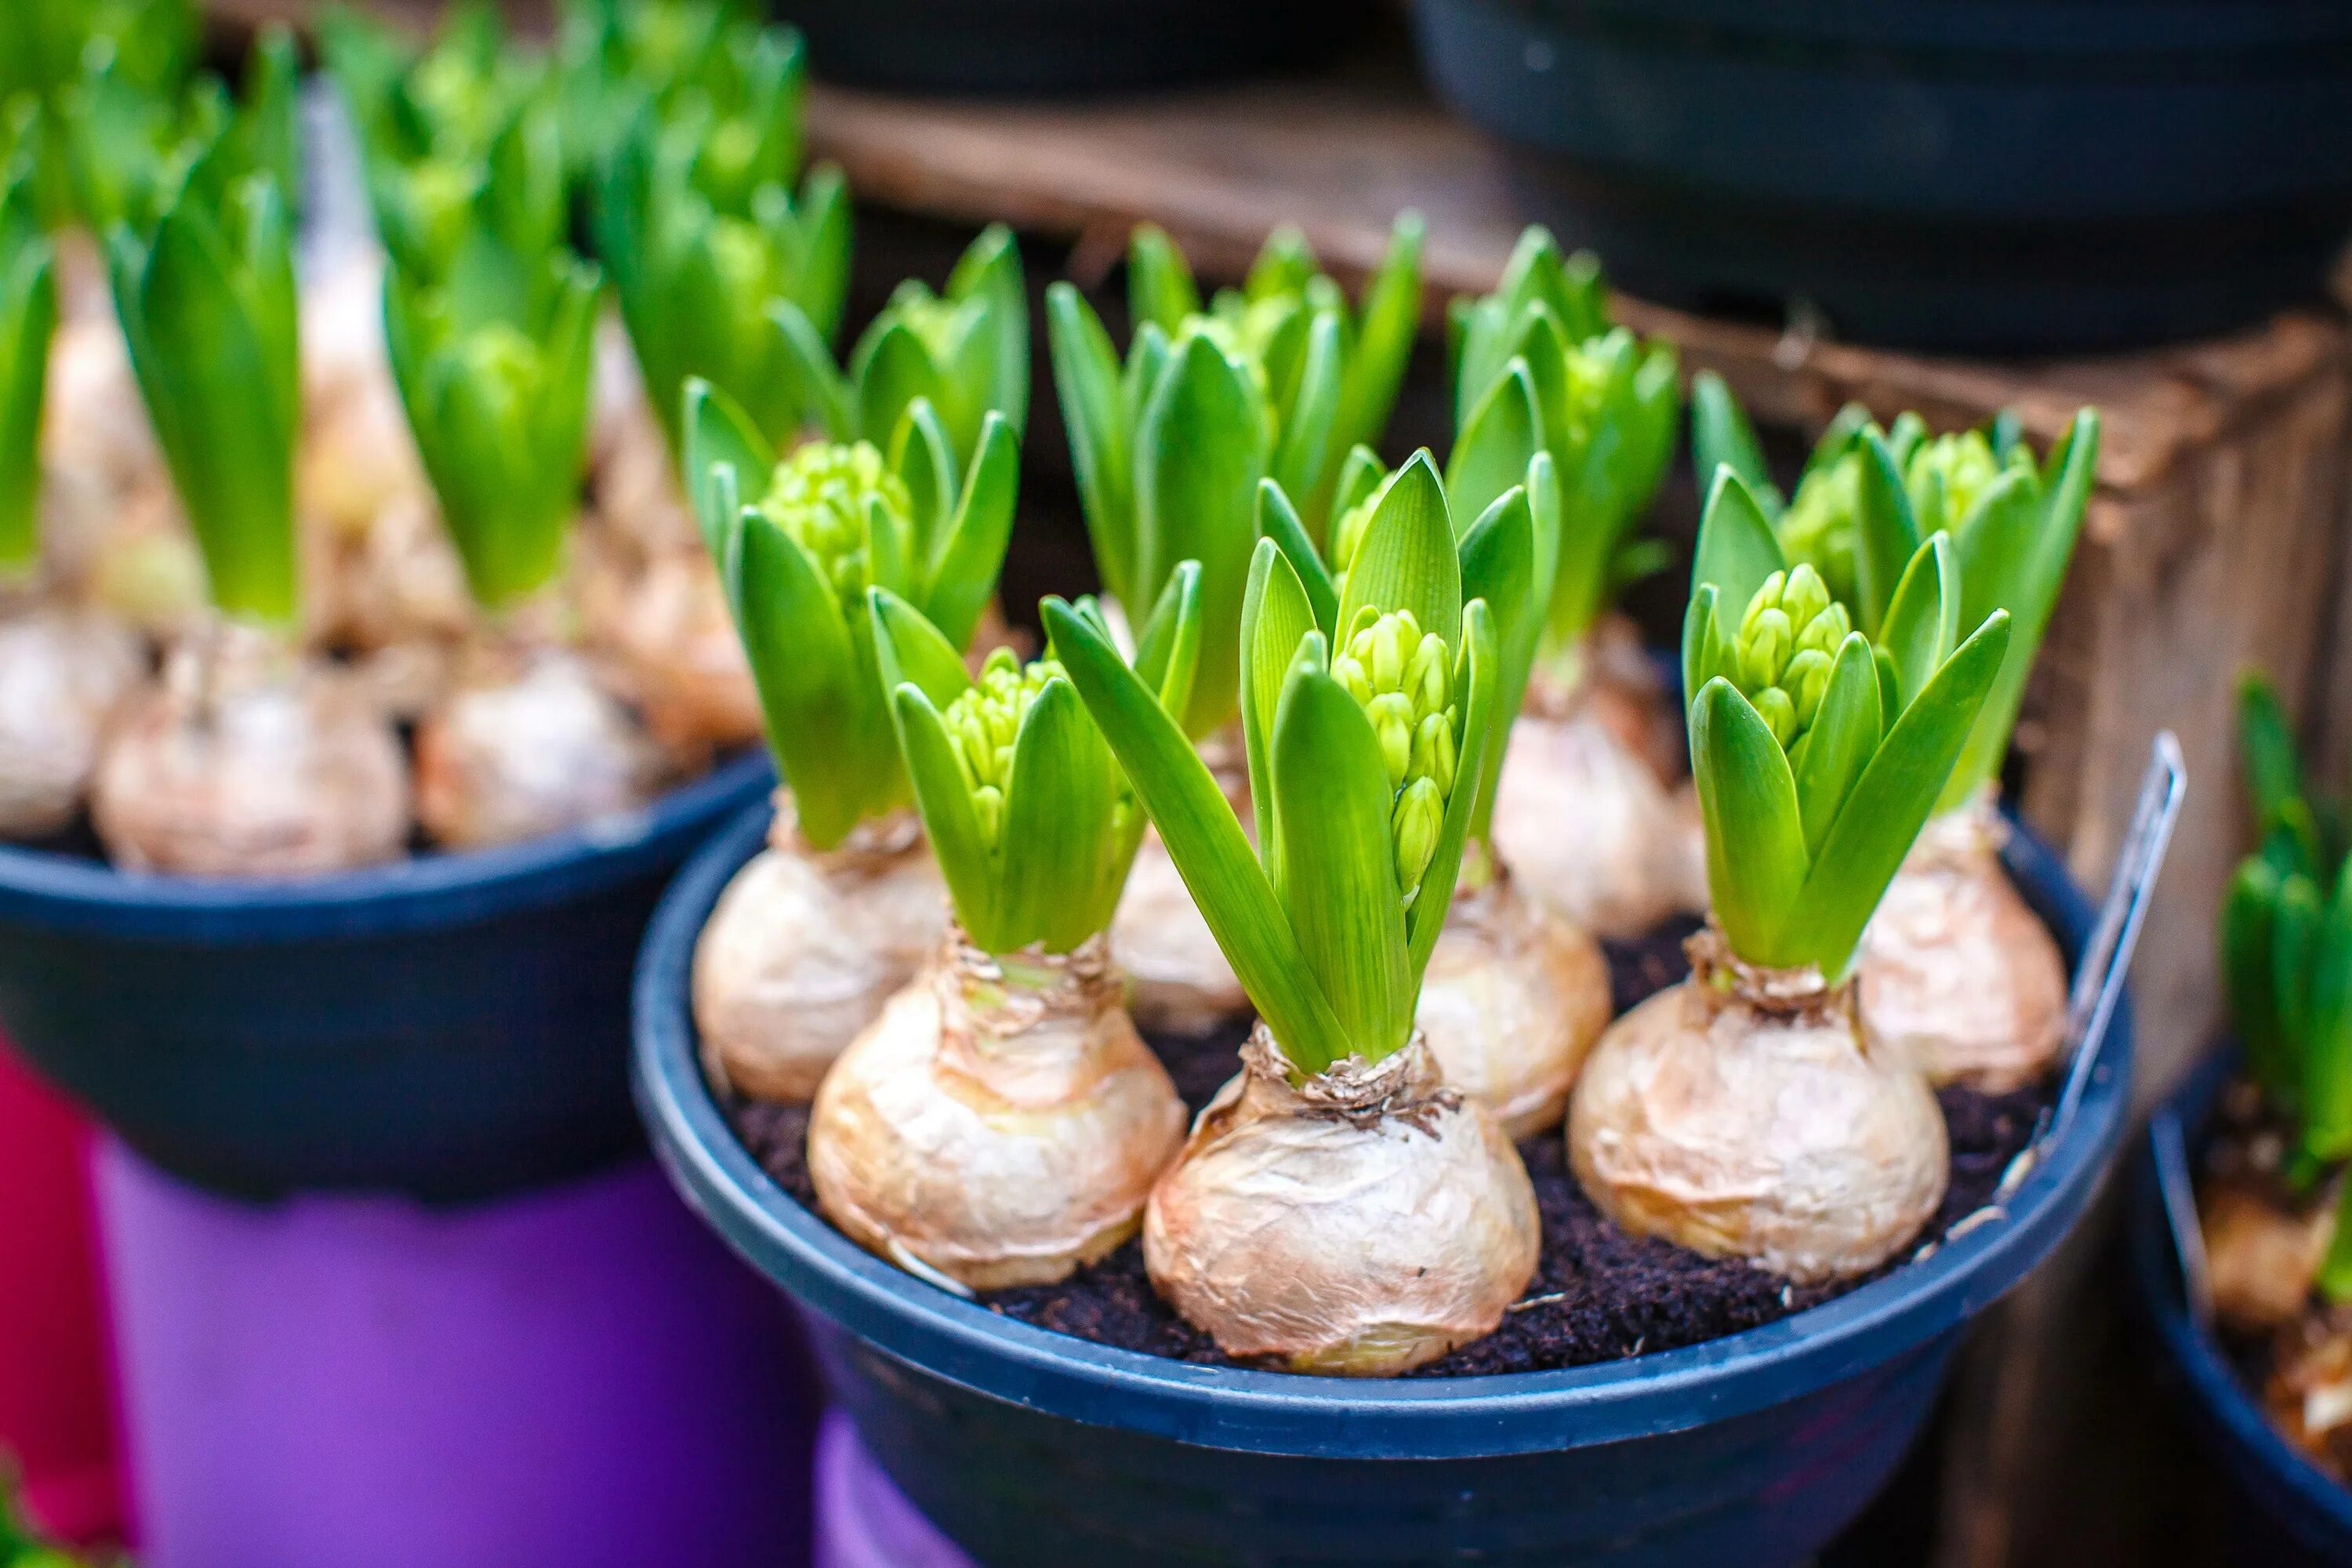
x: 1954, y: 969
x: 1752, y: 1111
x: 1514, y: 995
x: 1279, y: 379
x: 494, y: 358
x: 1002, y: 1123
x: 817, y: 934
x: 66, y: 664
x: 1418, y: 1240
x: 1586, y: 810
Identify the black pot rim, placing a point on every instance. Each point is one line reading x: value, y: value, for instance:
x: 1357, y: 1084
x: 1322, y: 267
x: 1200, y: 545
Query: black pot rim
x: 48, y: 891
x: 1268, y: 1412
x: 2320, y: 1503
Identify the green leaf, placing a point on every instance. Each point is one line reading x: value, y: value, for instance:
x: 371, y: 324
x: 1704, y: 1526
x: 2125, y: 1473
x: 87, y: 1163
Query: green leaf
x: 1491, y: 455
x: 1087, y: 376
x: 1756, y: 859
x: 1499, y: 566
x: 718, y: 432
x: 2334, y: 1277
x: 29, y: 318
x: 990, y: 269
x: 1168, y: 649
x: 950, y: 820
x: 1277, y: 616
x: 1890, y: 803
x: 1721, y: 436
x: 1388, y: 327
x: 1407, y: 559
x: 2328, y: 1055
x: 1737, y: 549
x: 1844, y: 734
x: 2250, y: 977
x: 1211, y: 852
x: 2294, y: 946
x: 2273, y: 763
x: 1922, y: 617
x: 1200, y: 452
x: 911, y: 651
x: 1058, y: 802
x: 1838, y: 436
x: 891, y: 369
x: 801, y: 348
x: 1278, y: 522
x: 1160, y: 288
x: 921, y: 454
x: 823, y: 211
x: 971, y: 553
x: 1303, y: 451
x: 1337, y: 872
x: 1886, y: 535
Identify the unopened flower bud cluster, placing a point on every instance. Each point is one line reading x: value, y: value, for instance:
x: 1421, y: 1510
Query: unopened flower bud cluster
x: 1404, y: 677
x: 1788, y: 641
x: 983, y: 723
x: 819, y: 497
x: 1947, y: 475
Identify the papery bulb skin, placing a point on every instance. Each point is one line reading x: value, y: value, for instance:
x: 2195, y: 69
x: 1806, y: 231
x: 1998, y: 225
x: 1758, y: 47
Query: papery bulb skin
x: 248, y: 761
x: 1179, y: 981
x: 64, y: 675
x: 355, y: 456
x: 1357, y: 1224
x: 1746, y: 1113
x: 527, y: 742
x: 804, y: 948
x: 666, y: 626
x: 1513, y: 1000
x: 1000, y: 1123
x: 1956, y: 970
x: 2263, y: 1253
x: 639, y: 500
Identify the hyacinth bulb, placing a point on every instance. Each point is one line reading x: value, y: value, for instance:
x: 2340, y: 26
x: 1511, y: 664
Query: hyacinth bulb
x: 1178, y: 980
x: 248, y: 761
x: 1956, y: 970
x: 2309, y: 1392
x: 64, y: 674
x: 1000, y: 1124
x: 2262, y: 1252
x: 1513, y: 999
x: 355, y: 457
x: 527, y: 742
x: 804, y: 948
x: 1748, y: 1113
x: 1421, y: 1231
x: 668, y: 630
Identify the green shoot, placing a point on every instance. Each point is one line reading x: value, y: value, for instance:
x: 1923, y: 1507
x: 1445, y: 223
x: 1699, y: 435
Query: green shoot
x: 1355, y: 727
x: 132, y: 150
x: 799, y: 546
x: 28, y: 316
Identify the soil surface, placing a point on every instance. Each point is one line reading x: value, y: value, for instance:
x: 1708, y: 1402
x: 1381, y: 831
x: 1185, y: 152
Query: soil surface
x: 1598, y: 1294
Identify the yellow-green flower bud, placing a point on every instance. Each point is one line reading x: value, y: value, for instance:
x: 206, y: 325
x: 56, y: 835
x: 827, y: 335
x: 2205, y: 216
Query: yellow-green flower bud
x: 1820, y: 525
x: 987, y: 804
x: 1807, y: 676
x: 1425, y: 678
x: 1347, y: 533
x: 1764, y: 645
x: 1420, y: 814
x: 1392, y: 715
x: 1780, y: 714
x: 984, y: 722
x: 1947, y: 475
x: 1349, y: 673
x: 1433, y: 751
x: 1788, y: 638
x: 818, y: 495
x: 1803, y: 596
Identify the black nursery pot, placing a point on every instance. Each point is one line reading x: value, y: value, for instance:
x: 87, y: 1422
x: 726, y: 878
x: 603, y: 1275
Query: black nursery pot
x: 452, y: 1026
x: 2287, y: 1512
x: 1980, y: 174
x: 1062, y: 48
x: 1031, y: 1447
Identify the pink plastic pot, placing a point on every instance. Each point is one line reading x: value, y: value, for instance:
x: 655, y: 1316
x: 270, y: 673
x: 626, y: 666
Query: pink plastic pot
x: 57, y: 1419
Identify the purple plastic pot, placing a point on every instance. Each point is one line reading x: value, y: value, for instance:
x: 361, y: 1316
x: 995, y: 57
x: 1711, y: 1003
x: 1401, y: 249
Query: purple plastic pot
x: 579, y: 1378
x: 863, y: 1520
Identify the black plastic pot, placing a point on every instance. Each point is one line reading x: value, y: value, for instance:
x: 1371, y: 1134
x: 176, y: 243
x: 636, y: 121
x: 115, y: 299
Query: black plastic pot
x: 1984, y: 174
x: 1031, y: 1447
x: 1062, y: 46
x: 2286, y: 1511
x: 450, y: 1025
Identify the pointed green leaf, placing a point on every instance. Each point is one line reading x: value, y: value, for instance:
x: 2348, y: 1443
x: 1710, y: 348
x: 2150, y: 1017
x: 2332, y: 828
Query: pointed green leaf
x: 1922, y: 617
x: 1337, y: 871
x: 1407, y: 558
x: 949, y: 819
x: 1499, y: 566
x: 2327, y: 1053
x: 1277, y: 616
x: 1886, y: 535
x: 911, y: 651
x: 1168, y: 649
x: 1160, y: 288
x: 1390, y: 324
x: 1891, y: 802
x: 802, y: 349
x: 1087, y: 376
x: 1736, y: 547
x: 1845, y: 732
x: 2250, y: 977
x: 1304, y: 451
x: 1756, y: 859
x: 1211, y: 852
x: 972, y: 555
x: 2272, y: 762
x: 1475, y: 678
x: 1059, y: 793
x: 820, y: 716
x: 1721, y: 436
x: 719, y: 434
x: 891, y: 368
x: 1278, y: 520
x: 989, y: 268
x: 921, y: 453
x: 1504, y: 433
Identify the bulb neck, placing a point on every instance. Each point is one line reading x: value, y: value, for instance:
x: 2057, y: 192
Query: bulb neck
x: 1798, y: 995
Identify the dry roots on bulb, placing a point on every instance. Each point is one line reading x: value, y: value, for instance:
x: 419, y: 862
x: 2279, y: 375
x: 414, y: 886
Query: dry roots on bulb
x: 1956, y: 970
x: 1514, y: 998
x: 1357, y: 1224
x: 527, y: 742
x: 1747, y: 1113
x: 1000, y: 1123
x: 248, y: 761
x: 806, y: 945
x: 63, y: 674
x: 1179, y: 981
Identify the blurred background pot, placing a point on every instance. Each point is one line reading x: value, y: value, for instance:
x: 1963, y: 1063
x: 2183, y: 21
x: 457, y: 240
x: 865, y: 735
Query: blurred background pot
x: 1030, y: 1448
x: 1983, y: 174
x: 1062, y: 46
x: 2283, y: 1511
x: 451, y: 1026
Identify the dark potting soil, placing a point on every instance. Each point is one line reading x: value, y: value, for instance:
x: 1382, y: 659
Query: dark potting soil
x: 1599, y: 1294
